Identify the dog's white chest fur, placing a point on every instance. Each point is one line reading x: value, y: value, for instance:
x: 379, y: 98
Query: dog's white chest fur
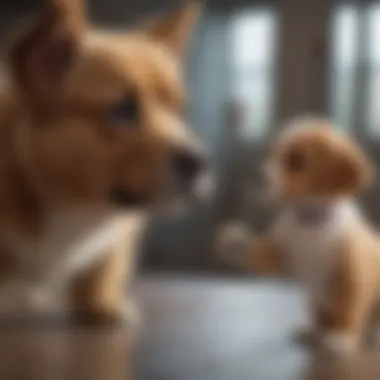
x: 71, y: 241
x: 311, y: 249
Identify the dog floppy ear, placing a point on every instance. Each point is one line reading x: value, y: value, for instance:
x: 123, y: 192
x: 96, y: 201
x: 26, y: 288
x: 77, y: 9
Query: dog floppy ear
x: 41, y: 55
x: 352, y: 170
x: 175, y: 29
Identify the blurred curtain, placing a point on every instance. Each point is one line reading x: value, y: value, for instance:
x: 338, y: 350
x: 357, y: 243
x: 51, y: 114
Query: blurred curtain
x: 355, y: 81
x: 355, y: 67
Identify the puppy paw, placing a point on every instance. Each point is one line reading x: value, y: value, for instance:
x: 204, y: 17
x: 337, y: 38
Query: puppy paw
x: 232, y: 241
x: 339, y: 343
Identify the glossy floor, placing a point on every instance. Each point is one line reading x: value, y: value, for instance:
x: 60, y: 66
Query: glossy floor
x: 194, y: 329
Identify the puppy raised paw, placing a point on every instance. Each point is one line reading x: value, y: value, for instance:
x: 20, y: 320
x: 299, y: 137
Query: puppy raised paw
x: 232, y: 241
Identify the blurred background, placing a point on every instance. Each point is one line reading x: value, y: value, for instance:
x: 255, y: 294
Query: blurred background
x: 252, y: 65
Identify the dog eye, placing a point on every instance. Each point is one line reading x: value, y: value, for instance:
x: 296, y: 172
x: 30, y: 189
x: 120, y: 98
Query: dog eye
x: 126, y: 111
x: 294, y: 161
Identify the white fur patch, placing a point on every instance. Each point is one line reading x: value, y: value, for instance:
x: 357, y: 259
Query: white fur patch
x: 311, y: 250
x: 72, y: 241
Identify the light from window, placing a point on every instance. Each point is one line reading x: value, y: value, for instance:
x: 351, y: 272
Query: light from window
x: 344, y: 64
x: 373, y: 98
x: 252, y: 55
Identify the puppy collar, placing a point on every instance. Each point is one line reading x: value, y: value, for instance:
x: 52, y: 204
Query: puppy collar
x: 314, y: 213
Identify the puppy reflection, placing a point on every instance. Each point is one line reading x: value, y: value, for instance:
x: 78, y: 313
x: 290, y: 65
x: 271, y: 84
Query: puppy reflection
x: 321, y: 235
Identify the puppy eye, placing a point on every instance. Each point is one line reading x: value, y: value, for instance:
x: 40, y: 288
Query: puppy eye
x: 295, y: 161
x: 126, y: 111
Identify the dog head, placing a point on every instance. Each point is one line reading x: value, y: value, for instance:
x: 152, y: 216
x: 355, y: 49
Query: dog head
x: 100, y: 113
x: 310, y: 159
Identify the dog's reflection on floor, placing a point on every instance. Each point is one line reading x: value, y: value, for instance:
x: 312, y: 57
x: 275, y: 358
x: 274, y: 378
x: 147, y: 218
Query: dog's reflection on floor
x: 64, y: 354
x: 361, y: 365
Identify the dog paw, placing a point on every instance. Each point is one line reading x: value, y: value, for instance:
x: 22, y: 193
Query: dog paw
x: 131, y: 314
x: 231, y: 244
x: 339, y: 343
x: 108, y: 315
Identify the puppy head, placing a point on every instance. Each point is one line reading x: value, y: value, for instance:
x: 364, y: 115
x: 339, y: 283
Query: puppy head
x: 100, y: 114
x: 310, y: 159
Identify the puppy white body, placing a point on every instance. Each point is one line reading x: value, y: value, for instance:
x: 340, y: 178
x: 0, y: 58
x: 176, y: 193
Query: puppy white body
x: 321, y: 238
x: 311, y: 250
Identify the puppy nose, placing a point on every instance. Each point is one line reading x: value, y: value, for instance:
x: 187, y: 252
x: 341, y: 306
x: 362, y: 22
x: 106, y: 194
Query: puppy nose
x: 188, y: 164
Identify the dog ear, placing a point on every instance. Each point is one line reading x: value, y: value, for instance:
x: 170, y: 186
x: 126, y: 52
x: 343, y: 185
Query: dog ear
x: 352, y: 171
x: 41, y: 55
x: 175, y: 29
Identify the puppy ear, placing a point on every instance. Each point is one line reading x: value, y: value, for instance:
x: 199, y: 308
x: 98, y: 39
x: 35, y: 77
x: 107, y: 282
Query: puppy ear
x: 41, y: 55
x: 175, y: 29
x: 353, y: 171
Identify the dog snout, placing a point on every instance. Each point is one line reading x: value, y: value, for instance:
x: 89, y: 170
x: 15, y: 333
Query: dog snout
x: 188, y: 164
x: 191, y: 174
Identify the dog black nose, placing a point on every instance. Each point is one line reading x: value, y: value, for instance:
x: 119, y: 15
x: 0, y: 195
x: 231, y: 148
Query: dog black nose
x: 188, y: 164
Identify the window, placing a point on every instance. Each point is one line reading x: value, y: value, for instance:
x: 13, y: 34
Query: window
x: 372, y: 112
x: 252, y: 56
x: 355, y: 92
x: 344, y: 64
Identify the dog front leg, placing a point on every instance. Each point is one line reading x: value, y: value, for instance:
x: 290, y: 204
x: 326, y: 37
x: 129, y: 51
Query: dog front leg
x: 99, y: 295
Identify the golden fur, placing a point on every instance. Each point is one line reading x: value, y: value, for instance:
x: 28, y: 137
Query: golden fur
x: 66, y: 151
x: 314, y: 162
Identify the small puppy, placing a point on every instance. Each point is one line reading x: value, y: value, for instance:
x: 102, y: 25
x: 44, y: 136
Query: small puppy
x: 320, y: 236
x: 92, y: 141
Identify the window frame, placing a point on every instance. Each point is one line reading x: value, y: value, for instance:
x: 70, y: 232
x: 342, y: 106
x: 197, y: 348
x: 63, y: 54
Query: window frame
x: 256, y: 137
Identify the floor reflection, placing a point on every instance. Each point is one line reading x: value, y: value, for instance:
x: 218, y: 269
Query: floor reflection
x: 65, y: 354
x: 362, y: 365
x: 202, y: 329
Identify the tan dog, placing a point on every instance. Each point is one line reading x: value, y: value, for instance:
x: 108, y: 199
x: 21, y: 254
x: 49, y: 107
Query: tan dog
x: 92, y: 140
x: 320, y: 236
